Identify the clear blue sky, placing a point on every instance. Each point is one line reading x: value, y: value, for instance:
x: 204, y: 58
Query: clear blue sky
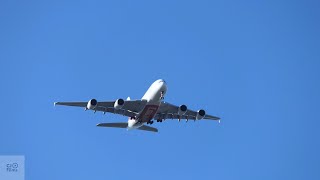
x: 253, y: 63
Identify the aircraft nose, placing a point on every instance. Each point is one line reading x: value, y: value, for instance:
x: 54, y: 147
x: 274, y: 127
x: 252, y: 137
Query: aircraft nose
x: 162, y: 81
x: 164, y: 86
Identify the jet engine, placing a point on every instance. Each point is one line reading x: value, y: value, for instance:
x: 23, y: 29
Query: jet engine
x: 92, y: 104
x: 182, y: 110
x: 118, y: 104
x: 200, y: 114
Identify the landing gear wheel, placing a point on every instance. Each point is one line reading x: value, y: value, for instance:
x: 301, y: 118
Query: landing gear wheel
x: 162, y: 95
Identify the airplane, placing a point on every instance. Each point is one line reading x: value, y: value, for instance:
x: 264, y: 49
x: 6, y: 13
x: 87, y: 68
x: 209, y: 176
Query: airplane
x: 140, y: 112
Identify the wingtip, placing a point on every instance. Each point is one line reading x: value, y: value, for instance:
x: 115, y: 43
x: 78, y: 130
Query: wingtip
x: 54, y: 104
x: 217, y: 118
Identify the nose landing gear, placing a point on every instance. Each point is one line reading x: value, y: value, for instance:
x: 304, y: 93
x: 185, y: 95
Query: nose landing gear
x: 162, y: 95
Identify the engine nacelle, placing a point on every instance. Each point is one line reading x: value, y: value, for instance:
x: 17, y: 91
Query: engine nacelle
x: 118, y: 104
x: 92, y: 104
x: 200, y: 114
x: 182, y: 110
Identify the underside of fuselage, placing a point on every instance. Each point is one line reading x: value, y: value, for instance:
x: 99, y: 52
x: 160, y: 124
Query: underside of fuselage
x: 134, y: 124
x: 153, y: 96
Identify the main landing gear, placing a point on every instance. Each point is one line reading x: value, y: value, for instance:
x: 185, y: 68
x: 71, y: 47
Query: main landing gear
x: 151, y: 122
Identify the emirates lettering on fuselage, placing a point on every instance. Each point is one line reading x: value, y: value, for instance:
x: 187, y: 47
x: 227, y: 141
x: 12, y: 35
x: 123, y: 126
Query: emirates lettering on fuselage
x: 148, y: 112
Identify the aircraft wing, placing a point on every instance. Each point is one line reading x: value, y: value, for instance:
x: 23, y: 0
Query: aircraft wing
x: 130, y: 108
x: 170, y: 111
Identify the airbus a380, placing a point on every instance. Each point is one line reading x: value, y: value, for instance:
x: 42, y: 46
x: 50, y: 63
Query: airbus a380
x: 151, y: 106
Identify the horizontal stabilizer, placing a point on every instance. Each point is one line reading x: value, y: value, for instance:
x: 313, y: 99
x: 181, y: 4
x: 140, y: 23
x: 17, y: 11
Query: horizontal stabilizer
x: 125, y: 125
x: 115, y: 125
x: 148, y: 128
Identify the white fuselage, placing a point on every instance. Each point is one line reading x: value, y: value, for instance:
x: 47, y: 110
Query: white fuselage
x: 153, y: 97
